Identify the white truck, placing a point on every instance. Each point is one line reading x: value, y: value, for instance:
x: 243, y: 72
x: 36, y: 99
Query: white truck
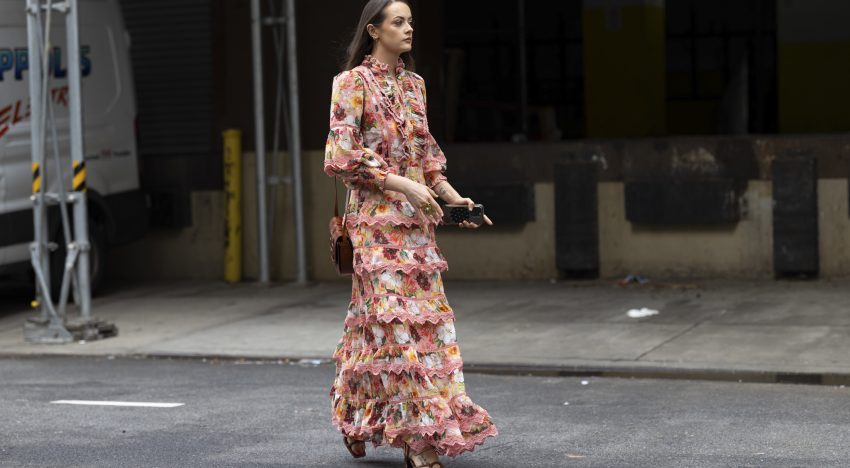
x: 117, y: 207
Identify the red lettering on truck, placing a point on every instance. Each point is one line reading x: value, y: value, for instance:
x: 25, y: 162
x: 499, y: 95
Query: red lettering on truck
x: 4, y: 119
x: 19, y: 111
x: 60, y: 95
x: 18, y: 117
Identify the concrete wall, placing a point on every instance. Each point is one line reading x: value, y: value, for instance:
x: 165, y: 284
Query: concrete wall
x: 834, y: 227
x: 742, y: 249
x: 196, y: 252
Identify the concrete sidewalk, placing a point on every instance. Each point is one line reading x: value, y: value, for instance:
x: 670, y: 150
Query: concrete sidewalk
x: 796, y: 331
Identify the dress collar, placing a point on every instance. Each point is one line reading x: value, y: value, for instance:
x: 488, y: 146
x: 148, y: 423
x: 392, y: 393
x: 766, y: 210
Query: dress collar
x: 379, y: 67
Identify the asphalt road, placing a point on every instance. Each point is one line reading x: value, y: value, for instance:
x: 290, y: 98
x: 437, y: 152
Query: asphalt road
x: 268, y: 414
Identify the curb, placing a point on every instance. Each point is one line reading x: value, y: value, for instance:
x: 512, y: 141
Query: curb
x: 658, y: 372
x: 533, y: 370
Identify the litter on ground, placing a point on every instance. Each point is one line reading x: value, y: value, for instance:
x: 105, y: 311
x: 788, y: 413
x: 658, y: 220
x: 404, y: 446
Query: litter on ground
x: 642, y: 312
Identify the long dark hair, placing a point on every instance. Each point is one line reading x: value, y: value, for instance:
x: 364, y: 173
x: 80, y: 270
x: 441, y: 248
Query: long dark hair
x: 362, y: 43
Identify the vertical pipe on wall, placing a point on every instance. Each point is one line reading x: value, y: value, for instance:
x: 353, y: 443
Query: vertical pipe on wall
x: 260, y: 145
x: 295, y: 142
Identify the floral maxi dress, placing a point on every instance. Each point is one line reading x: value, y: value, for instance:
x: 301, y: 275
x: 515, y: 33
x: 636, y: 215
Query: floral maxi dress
x: 399, y: 375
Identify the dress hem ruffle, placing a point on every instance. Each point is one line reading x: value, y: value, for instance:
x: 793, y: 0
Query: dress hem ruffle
x: 455, y: 421
x: 452, y: 448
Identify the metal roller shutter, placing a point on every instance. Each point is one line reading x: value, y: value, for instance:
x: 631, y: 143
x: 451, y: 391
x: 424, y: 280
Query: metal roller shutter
x: 171, y: 50
x: 172, y: 59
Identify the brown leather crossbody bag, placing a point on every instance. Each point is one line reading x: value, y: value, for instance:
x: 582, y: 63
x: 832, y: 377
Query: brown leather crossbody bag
x: 342, y: 250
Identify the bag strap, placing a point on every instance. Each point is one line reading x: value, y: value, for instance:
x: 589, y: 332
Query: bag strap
x: 345, y: 210
x: 345, y: 207
x: 336, y: 204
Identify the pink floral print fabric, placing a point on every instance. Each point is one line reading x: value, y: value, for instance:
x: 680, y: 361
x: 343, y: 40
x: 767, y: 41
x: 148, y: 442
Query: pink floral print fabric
x: 399, y: 375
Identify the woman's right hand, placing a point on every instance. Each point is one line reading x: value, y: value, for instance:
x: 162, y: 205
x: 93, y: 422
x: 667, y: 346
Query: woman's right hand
x: 419, y: 195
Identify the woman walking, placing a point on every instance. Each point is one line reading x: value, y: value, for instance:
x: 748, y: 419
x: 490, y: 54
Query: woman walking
x: 399, y: 378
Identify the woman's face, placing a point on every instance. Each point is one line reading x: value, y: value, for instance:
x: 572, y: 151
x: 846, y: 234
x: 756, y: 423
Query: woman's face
x: 395, y: 33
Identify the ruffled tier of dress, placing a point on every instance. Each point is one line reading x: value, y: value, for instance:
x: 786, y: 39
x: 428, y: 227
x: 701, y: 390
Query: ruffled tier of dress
x: 391, y: 208
x: 378, y: 258
x: 397, y: 359
x: 387, y: 308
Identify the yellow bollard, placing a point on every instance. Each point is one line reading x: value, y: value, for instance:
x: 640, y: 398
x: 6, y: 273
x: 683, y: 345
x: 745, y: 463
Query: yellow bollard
x: 233, y: 205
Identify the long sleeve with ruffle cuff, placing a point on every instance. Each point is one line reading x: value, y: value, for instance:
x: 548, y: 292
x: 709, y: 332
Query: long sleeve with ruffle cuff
x: 434, y: 161
x: 434, y: 166
x: 345, y: 155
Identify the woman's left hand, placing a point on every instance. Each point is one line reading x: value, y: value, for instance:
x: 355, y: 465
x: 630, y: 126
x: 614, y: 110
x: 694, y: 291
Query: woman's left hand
x: 470, y: 204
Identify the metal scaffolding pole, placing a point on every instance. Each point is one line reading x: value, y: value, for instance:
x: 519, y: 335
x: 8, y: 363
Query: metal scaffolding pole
x: 75, y: 108
x: 52, y: 324
x: 49, y: 326
x: 260, y: 142
x: 295, y: 143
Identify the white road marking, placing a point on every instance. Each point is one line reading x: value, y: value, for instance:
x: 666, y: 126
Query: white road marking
x: 118, y: 403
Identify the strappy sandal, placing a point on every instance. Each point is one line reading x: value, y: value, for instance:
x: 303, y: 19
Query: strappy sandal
x: 412, y: 460
x: 350, y: 444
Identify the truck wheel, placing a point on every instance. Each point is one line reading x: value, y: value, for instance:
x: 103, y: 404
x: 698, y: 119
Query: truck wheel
x: 97, y: 258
